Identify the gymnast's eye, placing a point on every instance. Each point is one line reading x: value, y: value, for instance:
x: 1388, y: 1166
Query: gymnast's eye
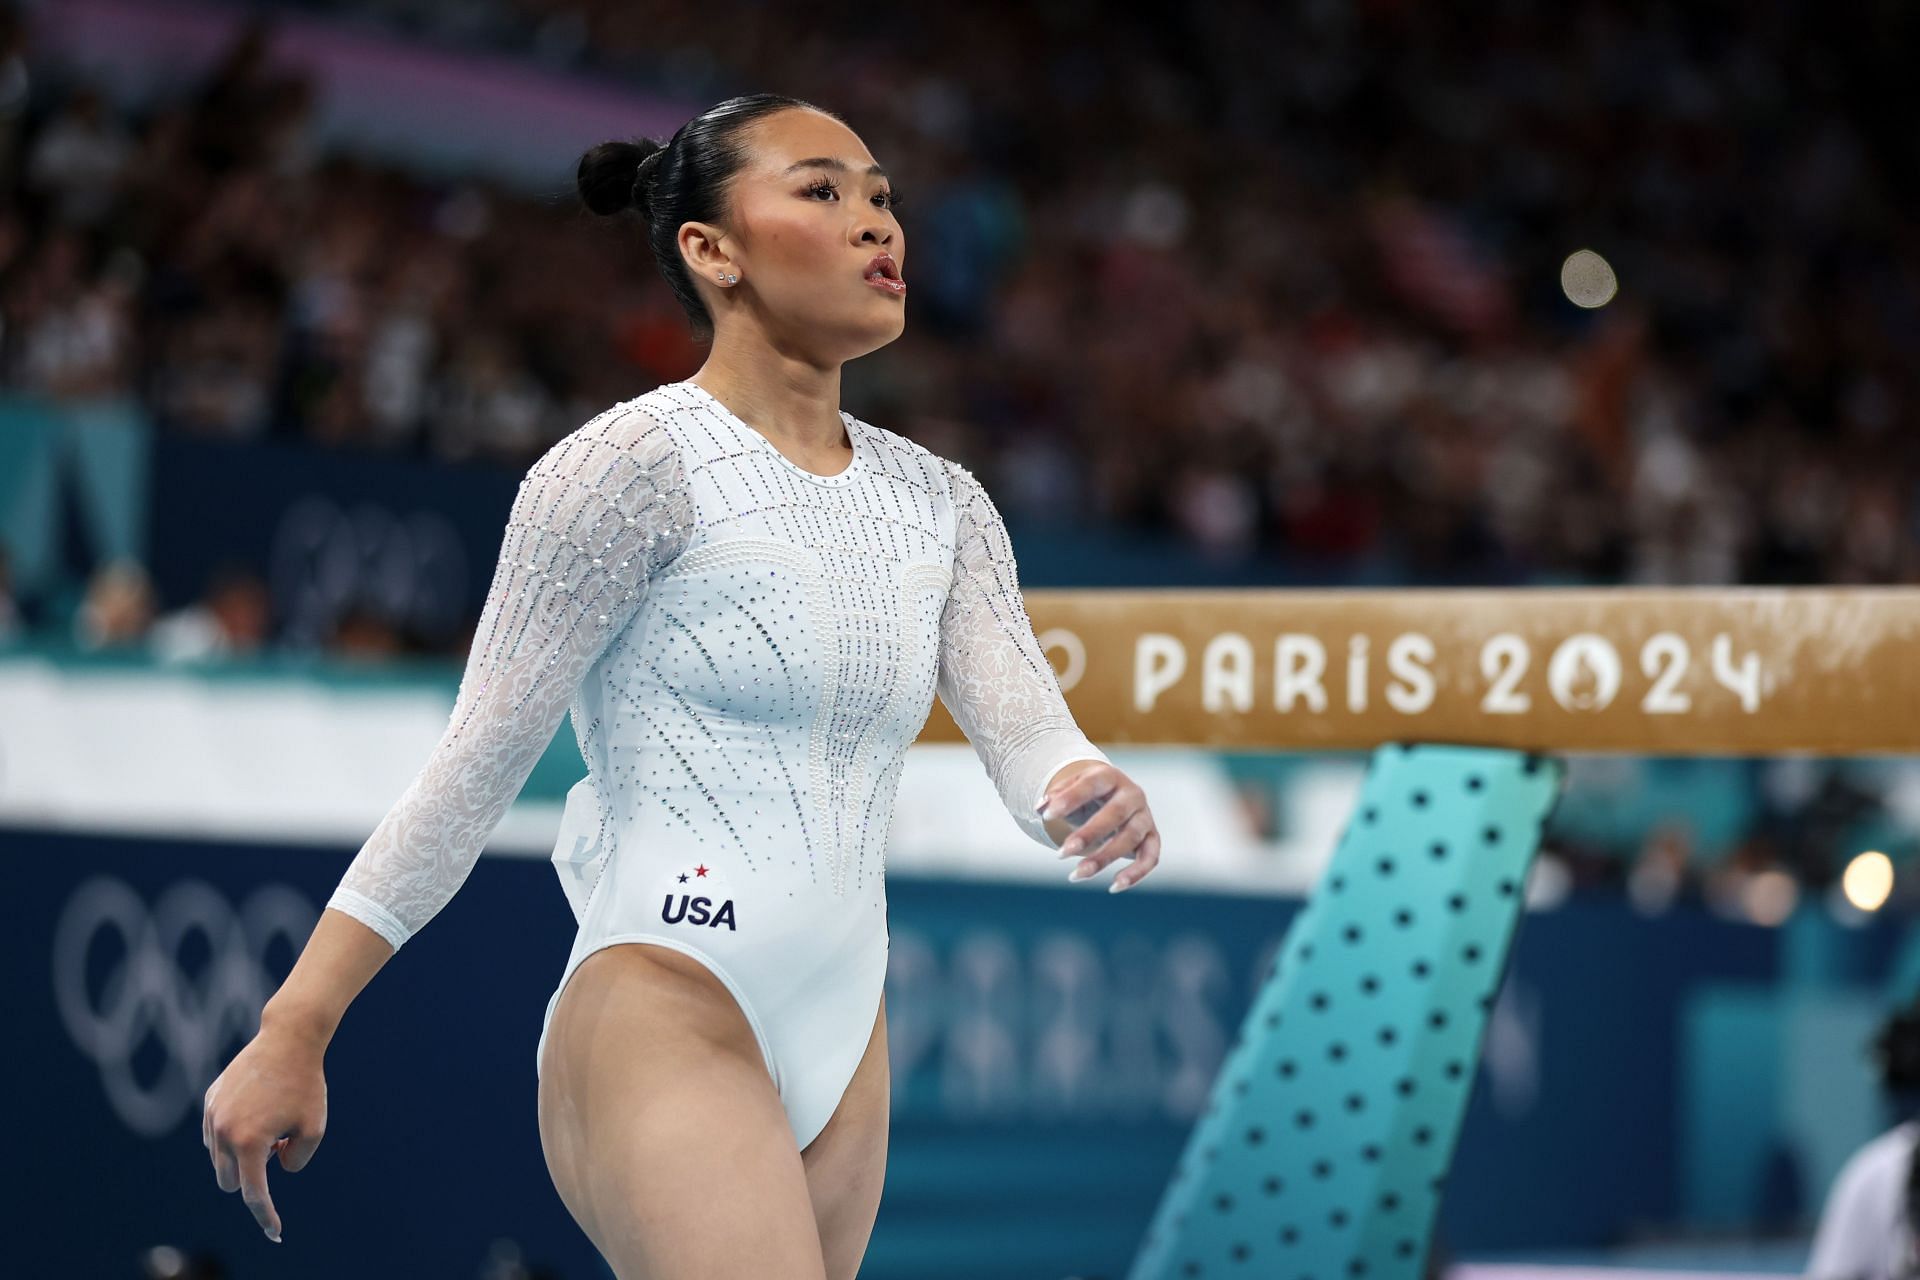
x: 890, y: 197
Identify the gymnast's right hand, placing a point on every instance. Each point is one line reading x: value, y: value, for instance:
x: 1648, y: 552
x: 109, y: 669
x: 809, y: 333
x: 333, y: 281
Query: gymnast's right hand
x: 272, y: 1097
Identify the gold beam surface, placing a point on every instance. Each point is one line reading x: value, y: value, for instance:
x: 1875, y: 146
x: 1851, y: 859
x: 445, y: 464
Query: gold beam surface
x: 1658, y: 671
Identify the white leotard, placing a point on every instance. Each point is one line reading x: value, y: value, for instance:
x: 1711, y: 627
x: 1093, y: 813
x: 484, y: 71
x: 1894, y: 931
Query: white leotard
x: 747, y: 649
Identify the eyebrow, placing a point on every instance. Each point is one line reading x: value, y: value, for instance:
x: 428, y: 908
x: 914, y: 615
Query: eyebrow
x: 830, y: 162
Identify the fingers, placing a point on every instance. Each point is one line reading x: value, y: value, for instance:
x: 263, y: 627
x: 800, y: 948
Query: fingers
x: 253, y: 1187
x: 226, y: 1165
x: 1115, y: 814
x: 1146, y: 860
x: 1125, y: 842
x: 242, y: 1167
x: 1097, y: 835
x: 1121, y: 825
x: 298, y: 1150
x: 1095, y: 780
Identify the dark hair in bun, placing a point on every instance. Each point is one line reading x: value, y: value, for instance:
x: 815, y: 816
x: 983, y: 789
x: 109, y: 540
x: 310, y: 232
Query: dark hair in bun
x: 685, y: 180
x: 615, y: 175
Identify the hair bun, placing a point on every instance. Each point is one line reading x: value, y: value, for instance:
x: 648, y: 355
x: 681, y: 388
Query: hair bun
x: 617, y: 175
x: 644, y: 174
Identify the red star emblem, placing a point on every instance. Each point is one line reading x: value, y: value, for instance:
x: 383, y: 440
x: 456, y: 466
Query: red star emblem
x: 700, y: 871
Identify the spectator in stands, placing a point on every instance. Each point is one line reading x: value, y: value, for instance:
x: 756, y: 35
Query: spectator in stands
x: 117, y: 608
x: 1870, y: 1229
x: 230, y: 620
x: 12, y: 626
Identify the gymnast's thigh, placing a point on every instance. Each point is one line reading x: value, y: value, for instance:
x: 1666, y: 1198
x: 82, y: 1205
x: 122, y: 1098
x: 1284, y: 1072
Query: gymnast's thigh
x: 847, y: 1163
x: 661, y: 1127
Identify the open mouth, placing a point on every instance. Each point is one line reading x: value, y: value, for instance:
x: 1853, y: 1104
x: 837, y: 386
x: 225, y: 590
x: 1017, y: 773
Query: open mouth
x: 883, y: 273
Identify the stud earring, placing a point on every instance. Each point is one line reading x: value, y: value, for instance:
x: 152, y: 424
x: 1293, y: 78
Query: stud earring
x: 727, y: 278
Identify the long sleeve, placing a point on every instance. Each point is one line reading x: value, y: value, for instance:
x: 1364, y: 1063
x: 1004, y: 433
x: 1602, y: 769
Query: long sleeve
x: 596, y: 517
x: 993, y: 676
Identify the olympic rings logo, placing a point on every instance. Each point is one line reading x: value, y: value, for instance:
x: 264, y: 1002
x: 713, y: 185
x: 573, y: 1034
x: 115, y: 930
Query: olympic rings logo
x: 410, y: 567
x: 119, y: 982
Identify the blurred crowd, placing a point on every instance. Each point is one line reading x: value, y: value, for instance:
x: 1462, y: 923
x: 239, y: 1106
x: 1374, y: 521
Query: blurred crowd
x: 1748, y: 839
x: 1281, y: 282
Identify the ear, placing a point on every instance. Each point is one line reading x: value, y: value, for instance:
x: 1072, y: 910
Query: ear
x: 701, y: 249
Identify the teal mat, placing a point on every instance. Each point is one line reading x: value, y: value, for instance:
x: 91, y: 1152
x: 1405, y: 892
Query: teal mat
x: 1324, y: 1149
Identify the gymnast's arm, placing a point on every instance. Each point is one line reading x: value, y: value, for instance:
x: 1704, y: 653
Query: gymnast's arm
x: 993, y: 676
x: 595, y: 518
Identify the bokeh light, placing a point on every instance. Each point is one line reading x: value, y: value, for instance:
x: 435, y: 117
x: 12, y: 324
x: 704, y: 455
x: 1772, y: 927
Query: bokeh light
x: 1868, y: 880
x: 1771, y: 896
x: 1588, y: 279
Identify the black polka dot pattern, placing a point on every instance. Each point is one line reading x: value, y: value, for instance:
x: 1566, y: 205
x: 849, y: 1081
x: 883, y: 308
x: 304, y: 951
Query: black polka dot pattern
x: 1334, y: 1117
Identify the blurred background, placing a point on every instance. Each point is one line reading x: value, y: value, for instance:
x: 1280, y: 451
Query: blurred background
x: 1335, y: 293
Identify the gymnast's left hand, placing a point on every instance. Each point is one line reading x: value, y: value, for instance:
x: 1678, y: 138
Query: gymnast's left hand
x: 1121, y: 826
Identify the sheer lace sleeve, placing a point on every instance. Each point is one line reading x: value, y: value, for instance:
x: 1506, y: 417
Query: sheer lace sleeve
x: 993, y: 676
x: 597, y: 516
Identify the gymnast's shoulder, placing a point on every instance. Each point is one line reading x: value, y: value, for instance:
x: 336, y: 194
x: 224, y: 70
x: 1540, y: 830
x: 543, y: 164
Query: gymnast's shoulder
x: 909, y: 458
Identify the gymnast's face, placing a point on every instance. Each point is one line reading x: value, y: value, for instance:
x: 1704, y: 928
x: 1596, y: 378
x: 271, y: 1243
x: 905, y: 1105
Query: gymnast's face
x: 808, y: 215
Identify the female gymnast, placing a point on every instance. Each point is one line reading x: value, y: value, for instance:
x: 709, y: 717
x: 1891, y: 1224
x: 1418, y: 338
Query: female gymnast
x: 748, y: 599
